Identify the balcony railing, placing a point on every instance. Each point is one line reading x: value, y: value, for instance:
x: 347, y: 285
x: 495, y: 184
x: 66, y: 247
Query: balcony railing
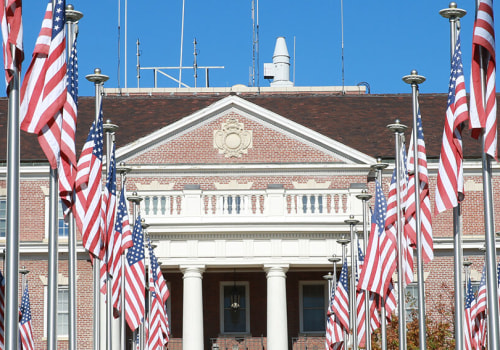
x: 250, y: 203
x: 254, y: 343
x: 238, y: 343
x: 308, y: 343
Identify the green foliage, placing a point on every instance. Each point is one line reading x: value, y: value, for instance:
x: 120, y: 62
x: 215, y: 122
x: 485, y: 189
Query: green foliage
x: 439, y: 332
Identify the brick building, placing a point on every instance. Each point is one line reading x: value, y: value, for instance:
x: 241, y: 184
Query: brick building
x: 246, y: 192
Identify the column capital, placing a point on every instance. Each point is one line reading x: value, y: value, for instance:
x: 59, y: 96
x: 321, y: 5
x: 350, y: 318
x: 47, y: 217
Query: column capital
x: 276, y: 270
x: 192, y: 270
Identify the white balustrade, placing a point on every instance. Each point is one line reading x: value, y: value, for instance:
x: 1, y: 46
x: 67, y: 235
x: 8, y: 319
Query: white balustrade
x: 270, y: 202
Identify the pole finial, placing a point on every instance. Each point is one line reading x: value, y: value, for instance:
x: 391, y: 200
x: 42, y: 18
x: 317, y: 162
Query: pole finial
x: 397, y: 127
x: 97, y: 77
x: 414, y: 78
x: 453, y: 12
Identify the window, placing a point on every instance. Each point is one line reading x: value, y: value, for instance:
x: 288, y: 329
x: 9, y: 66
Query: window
x: 411, y: 305
x: 62, y: 226
x: 3, y: 217
x: 62, y: 311
x: 313, y: 306
x: 234, y: 320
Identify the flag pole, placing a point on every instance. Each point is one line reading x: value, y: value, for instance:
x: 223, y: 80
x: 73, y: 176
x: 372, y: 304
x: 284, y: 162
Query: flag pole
x: 454, y: 14
x: 23, y: 272
x: 123, y: 170
x: 364, y: 196
x: 142, y: 333
x: 467, y: 265
x: 136, y: 202
x: 72, y: 18
x: 398, y: 129
x: 98, y: 79
x: 334, y: 260
x: 352, y: 293
x: 344, y: 242
x: 379, y: 167
x: 489, y: 225
x: 12, y: 234
x: 110, y: 130
x: 53, y: 258
x: 414, y: 79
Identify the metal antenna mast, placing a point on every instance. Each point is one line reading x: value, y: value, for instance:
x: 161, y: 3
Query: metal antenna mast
x: 138, y: 63
x: 126, y: 29
x: 342, y: 33
x: 255, y: 43
x: 119, y: 30
x: 195, y: 63
x: 182, y: 42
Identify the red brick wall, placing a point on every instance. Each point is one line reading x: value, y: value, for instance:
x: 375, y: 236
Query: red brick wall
x: 268, y: 146
x: 37, y: 267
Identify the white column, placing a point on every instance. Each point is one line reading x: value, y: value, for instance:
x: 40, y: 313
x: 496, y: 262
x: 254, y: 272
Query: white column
x: 277, y: 330
x: 192, y: 320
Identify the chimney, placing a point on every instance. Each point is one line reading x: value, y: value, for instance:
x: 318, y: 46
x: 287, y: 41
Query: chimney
x: 279, y: 70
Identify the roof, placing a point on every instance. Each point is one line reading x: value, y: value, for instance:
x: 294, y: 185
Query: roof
x: 358, y: 121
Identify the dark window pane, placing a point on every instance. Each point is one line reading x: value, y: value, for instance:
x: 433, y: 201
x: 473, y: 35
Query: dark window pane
x: 313, y: 308
x: 235, y: 320
x: 313, y: 296
x: 314, y: 320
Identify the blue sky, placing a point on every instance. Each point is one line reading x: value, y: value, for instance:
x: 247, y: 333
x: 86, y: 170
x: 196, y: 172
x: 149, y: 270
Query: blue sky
x: 383, y: 40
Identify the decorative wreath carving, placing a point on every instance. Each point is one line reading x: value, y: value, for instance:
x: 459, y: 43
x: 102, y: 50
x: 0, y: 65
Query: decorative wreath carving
x: 233, y: 140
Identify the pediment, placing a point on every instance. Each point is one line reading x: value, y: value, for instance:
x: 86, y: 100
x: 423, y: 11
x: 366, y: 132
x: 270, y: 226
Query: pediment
x: 234, y: 130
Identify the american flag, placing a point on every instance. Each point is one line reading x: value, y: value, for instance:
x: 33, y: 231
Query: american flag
x: 108, y: 210
x: 361, y: 309
x: 88, y: 189
x: 390, y: 301
x: 334, y: 332
x: 2, y: 311
x: 483, y: 103
x: 135, y: 276
x: 425, y: 202
x: 340, y: 304
x: 450, y: 180
x: 25, y: 327
x: 67, y: 165
x: 43, y: 92
x: 479, y: 314
x: 122, y: 239
x: 158, y: 318
x: 159, y: 279
x: 371, y: 275
x: 12, y: 33
x: 469, y: 298
x: 389, y: 261
x: 407, y: 244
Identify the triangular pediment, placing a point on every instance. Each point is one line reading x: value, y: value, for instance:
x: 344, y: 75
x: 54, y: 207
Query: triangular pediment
x: 234, y: 130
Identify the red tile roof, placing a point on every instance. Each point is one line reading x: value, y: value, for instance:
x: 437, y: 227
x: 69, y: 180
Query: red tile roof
x: 358, y: 121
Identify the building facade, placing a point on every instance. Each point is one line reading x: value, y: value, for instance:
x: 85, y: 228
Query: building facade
x: 246, y: 193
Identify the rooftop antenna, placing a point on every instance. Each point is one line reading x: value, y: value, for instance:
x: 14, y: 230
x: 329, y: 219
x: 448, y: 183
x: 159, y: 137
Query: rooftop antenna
x: 182, y: 41
x: 138, y: 63
x: 342, y: 31
x: 195, y: 63
x: 255, y: 43
x: 119, y: 25
x: 126, y: 44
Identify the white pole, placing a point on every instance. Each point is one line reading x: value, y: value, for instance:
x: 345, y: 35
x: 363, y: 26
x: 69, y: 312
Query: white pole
x: 182, y: 42
x: 125, y: 44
